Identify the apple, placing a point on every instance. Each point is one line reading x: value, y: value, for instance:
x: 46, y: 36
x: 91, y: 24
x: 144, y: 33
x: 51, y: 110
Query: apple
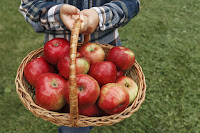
x: 93, y: 110
x: 130, y: 85
x: 65, y: 109
x: 88, y: 90
x: 122, y: 57
x: 120, y: 73
x: 113, y: 98
x: 56, y: 48
x: 93, y: 52
x: 104, y: 72
x: 49, y: 92
x: 35, y: 68
x: 82, y: 65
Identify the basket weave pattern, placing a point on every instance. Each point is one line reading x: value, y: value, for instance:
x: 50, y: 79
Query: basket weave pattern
x: 27, y: 95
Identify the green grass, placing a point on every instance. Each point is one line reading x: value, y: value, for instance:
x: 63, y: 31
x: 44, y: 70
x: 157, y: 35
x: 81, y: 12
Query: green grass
x: 165, y: 38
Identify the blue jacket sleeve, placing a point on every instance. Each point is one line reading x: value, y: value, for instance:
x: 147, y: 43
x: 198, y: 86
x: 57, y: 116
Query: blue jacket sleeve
x: 42, y: 15
x: 117, y: 13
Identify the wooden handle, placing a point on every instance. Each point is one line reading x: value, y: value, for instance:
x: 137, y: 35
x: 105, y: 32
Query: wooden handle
x: 73, y: 95
x: 86, y: 39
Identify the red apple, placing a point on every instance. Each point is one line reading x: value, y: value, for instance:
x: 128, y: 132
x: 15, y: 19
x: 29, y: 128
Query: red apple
x: 56, y: 48
x: 120, y: 73
x: 93, y: 52
x: 130, y: 85
x: 65, y: 109
x: 93, y: 110
x: 113, y: 98
x: 88, y: 90
x: 82, y: 65
x: 49, y: 92
x: 122, y: 57
x: 104, y: 72
x: 35, y: 68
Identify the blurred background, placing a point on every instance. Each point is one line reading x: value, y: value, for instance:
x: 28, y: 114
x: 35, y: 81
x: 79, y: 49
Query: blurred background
x: 165, y: 38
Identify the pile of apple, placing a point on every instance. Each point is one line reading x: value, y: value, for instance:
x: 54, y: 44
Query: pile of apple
x: 103, y: 89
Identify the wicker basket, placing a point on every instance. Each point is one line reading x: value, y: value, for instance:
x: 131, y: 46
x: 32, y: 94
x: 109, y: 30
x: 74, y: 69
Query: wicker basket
x: 73, y: 119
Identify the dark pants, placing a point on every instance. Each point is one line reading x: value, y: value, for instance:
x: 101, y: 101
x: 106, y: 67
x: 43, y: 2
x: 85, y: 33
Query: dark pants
x: 65, y: 129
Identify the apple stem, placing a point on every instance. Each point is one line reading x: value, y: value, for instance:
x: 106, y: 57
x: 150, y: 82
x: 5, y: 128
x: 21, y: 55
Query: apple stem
x: 92, y: 49
x: 54, y: 84
x: 56, y: 44
x: 126, y: 84
x: 81, y: 88
x: 121, y: 104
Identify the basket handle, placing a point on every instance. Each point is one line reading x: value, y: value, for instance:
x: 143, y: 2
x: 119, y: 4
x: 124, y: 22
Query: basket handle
x: 73, y: 94
x: 86, y: 38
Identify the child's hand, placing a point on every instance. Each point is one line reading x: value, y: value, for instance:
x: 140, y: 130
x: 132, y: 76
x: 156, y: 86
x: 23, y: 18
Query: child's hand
x: 91, y: 21
x: 69, y: 14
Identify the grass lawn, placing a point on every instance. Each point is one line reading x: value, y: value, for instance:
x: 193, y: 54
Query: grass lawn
x: 165, y: 38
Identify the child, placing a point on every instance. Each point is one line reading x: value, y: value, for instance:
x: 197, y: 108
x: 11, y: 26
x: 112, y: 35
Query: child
x: 100, y: 19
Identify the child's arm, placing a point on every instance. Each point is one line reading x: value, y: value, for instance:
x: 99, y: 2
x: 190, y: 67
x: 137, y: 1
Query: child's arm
x: 43, y: 15
x: 114, y: 14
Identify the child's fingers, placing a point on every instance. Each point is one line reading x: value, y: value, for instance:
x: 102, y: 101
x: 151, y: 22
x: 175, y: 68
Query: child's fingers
x: 75, y: 17
x: 68, y: 15
x: 69, y: 24
x: 93, y: 20
x: 70, y: 10
x: 84, y: 23
x: 85, y: 12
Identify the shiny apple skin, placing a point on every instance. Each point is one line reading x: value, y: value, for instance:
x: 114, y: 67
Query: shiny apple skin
x: 120, y: 73
x: 93, y: 110
x: 113, y: 98
x: 130, y: 85
x: 82, y: 65
x: 88, y: 90
x: 122, y: 57
x: 49, y: 92
x: 35, y: 68
x: 93, y: 52
x: 104, y: 72
x: 56, y: 48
